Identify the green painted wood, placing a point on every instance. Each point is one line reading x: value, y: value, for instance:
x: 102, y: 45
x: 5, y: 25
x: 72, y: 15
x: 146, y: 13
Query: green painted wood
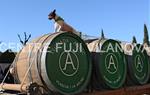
x: 68, y: 64
x: 138, y: 65
x: 109, y: 65
x: 113, y: 66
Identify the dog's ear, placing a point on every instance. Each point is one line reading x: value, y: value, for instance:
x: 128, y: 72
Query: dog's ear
x: 54, y: 11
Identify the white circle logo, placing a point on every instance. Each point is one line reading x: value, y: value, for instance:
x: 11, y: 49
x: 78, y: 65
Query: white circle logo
x: 111, y: 63
x: 68, y: 63
x: 138, y: 63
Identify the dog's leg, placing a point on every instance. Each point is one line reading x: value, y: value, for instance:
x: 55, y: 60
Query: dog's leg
x: 57, y: 27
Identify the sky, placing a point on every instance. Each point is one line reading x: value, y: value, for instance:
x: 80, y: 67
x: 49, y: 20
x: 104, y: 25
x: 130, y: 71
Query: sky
x: 119, y: 19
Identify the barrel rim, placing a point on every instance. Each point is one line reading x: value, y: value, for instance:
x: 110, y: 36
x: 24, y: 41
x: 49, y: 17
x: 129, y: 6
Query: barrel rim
x: 125, y: 65
x: 53, y: 87
x: 148, y: 63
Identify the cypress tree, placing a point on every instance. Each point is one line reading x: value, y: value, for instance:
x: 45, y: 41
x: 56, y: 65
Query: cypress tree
x: 134, y: 40
x: 102, y: 34
x: 146, y: 37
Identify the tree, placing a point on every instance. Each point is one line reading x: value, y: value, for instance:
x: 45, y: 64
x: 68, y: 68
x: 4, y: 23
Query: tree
x: 102, y: 34
x: 26, y: 39
x: 146, y: 37
x: 134, y: 40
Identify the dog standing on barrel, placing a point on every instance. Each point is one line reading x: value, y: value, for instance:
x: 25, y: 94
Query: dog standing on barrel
x: 60, y: 24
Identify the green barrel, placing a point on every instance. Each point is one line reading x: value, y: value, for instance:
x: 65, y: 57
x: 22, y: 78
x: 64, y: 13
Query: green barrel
x: 61, y: 63
x: 67, y: 64
x: 147, y: 48
x: 138, y: 66
x: 109, y: 68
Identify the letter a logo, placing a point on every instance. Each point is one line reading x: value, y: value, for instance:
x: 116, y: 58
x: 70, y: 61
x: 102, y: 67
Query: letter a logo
x: 139, y: 65
x: 111, y: 63
x: 69, y: 62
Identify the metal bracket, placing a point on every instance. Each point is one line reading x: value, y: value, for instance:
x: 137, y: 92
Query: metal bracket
x: 33, y: 89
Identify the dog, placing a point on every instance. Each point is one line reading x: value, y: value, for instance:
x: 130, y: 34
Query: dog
x: 60, y: 24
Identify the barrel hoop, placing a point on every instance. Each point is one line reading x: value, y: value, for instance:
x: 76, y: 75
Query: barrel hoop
x: 43, y: 61
x: 45, y: 75
x: 29, y: 58
x: 38, y: 65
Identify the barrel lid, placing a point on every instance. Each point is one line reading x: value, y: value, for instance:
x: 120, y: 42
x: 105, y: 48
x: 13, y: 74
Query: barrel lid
x: 68, y: 64
x: 140, y: 66
x: 112, y: 64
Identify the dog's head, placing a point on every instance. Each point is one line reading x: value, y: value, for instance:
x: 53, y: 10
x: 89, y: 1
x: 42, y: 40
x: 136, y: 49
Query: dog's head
x: 52, y: 15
